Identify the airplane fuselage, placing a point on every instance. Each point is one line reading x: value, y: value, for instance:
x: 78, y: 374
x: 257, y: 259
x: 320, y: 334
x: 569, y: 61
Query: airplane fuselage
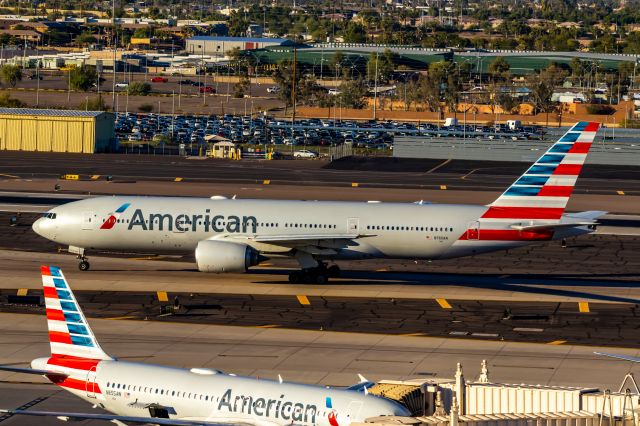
x: 129, y: 389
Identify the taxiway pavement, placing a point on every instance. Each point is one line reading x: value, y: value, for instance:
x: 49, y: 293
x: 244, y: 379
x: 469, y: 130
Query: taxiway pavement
x: 321, y: 357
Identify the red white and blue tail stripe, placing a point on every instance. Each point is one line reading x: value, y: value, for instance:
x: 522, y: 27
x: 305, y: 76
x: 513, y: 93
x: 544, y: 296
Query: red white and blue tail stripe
x: 69, y: 333
x: 543, y: 191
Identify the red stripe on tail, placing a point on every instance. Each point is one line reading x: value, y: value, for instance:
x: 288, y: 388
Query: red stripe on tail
x: 60, y: 337
x: 44, y: 270
x: 555, y: 191
x: 50, y: 292
x: 55, y: 315
x: 568, y: 169
x: 580, y: 148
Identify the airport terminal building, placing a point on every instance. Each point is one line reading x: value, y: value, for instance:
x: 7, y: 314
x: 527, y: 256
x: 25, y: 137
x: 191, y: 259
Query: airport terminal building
x: 47, y: 130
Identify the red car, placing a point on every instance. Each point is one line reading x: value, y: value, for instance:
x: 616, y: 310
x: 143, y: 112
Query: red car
x: 159, y: 80
x: 207, y: 89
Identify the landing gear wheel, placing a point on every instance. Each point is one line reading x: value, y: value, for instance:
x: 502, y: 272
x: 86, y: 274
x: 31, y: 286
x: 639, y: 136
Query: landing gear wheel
x: 333, y: 271
x: 295, y: 277
x: 83, y: 265
x: 321, y: 278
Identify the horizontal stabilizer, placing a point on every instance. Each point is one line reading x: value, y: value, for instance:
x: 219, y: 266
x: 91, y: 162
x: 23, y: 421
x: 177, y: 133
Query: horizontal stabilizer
x: 623, y: 357
x: 31, y: 371
x: 588, y: 215
x: 550, y: 226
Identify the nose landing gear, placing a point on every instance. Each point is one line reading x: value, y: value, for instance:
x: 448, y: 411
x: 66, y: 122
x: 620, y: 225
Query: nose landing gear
x: 83, y: 265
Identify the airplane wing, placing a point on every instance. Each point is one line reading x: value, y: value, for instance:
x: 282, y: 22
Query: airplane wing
x: 67, y: 416
x: 304, y: 238
x: 623, y: 357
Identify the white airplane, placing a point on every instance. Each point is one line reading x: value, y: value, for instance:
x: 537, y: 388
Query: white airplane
x: 230, y: 235
x: 140, y: 393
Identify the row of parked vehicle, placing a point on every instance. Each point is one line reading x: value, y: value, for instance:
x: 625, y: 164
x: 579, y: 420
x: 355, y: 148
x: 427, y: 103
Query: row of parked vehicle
x: 262, y: 130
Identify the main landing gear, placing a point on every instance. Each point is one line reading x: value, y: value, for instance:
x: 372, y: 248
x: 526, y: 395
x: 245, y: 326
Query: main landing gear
x: 318, y: 275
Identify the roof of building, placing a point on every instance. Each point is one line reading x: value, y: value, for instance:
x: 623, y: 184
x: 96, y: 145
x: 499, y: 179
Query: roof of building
x: 243, y: 39
x: 50, y: 112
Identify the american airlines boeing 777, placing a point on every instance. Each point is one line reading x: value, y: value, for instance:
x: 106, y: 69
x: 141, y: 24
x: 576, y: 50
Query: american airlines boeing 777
x: 231, y: 235
x: 151, y: 394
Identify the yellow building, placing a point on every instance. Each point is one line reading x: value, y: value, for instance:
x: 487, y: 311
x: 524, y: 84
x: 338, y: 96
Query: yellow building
x: 47, y: 130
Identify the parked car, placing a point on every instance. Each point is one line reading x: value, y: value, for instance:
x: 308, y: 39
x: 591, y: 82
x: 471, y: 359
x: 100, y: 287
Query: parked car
x: 207, y: 89
x: 186, y: 82
x: 273, y: 89
x: 122, y: 85
x: 159, y: 80
x: 305, y: 153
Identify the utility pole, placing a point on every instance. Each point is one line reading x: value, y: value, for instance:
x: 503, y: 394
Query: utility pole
x: 293, y: 90
x: 113, y: 39
x: 375, y: 89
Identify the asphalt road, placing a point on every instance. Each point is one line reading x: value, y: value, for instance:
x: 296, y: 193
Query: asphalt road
x: 382, y: 173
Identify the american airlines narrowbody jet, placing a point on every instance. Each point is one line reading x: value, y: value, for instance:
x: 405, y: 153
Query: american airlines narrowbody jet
x: 138, y: 393
x: 231, y: 235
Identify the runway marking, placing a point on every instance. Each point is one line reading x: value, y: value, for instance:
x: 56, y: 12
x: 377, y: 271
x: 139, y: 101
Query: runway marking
x: 382, y: 270
x: 10, y: 176
x: 148, y: 258
x: 95, y: 177
x: 304, y: 300
x: 443, y: 187
x: 178, y: 179
x: 620, y: 192
x: 126, y: 317
x: 557, y: 342
x: 354, y: 184
x: 162, y: 296
x: 266, y: 181
x: 443, y: 303
x: 413, y: 334
x: 444, y: 163
x: 265, y: 264
x: 583, y: 307
x: 22, y: 291
x: 268, y: 326
x: 468, y: 174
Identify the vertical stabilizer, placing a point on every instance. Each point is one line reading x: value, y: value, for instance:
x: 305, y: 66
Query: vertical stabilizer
x: 69, y: 333
x: 543, y: 191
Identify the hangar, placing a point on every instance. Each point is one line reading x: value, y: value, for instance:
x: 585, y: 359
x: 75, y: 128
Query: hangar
x: 48, y: 130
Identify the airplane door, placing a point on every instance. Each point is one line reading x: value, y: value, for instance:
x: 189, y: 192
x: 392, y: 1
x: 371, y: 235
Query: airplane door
x: 88, y: 221
x: 473, y: 230
x: 353, y: 225
x: 90, y: 385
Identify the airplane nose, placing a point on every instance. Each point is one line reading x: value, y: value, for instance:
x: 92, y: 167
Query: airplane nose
x: 36, y: 227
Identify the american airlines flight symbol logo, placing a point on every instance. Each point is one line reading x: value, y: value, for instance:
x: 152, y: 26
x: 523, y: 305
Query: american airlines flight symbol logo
x: 108, y: 224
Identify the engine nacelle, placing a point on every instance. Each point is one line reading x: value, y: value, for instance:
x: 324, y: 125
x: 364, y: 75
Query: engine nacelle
x: 224, y: 256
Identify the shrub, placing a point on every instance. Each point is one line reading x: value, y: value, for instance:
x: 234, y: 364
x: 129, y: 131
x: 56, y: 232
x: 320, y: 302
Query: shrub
x: 145, y: 108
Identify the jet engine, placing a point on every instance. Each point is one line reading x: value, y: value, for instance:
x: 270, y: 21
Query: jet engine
x: 224, y: 256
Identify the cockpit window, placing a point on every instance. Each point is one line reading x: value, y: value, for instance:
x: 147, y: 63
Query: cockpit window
x: 49, y: 215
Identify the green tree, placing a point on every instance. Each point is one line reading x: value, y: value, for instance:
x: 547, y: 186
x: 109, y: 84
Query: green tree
x: 138, y: 88
x: 83, y: 77
x: 6, y: 101
x: 85, y: 39
x: 352, y: 94
x: 145, y: 108
x: 383, y: 64
x: 241, y: 87
x: 11, y: 74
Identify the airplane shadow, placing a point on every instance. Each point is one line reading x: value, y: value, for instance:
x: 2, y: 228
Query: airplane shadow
x: 542, y: 284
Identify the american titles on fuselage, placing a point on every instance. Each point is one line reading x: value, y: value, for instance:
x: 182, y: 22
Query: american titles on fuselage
x: 192, y: 222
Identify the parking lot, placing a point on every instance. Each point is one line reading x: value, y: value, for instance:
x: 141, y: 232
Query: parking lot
x: 264, y: 130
